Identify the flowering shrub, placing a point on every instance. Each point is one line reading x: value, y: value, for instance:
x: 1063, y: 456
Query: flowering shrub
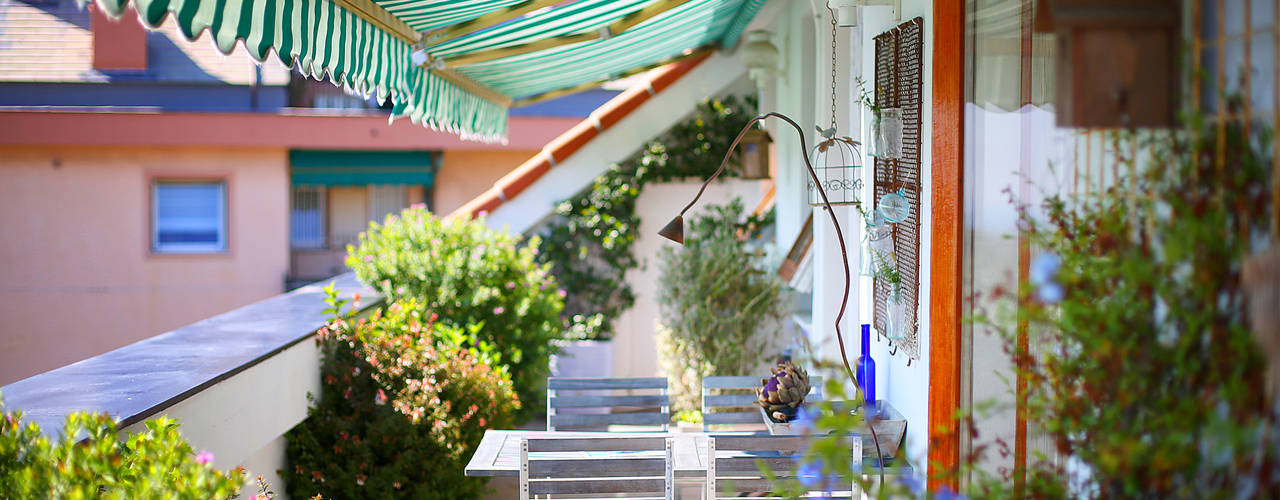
x: 403, y: 406
x: 469, y: 274
x: 152, y: 464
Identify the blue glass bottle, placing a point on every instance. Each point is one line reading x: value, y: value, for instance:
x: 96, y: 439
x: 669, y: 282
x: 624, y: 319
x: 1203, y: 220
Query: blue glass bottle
x: 866, y: 371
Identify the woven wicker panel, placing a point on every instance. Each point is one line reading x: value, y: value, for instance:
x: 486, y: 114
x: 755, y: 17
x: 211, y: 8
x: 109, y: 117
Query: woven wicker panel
x: 899, y: 69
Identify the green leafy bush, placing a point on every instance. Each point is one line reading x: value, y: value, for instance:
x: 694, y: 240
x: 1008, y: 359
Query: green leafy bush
x: 157, y: 463
x: 589, y: 247
x: 403, y: 407
x: 720, y: 311
x: 469, y: 274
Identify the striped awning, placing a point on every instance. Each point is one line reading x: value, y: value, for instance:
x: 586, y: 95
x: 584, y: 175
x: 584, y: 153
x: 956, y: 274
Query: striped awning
x: 457, y: 65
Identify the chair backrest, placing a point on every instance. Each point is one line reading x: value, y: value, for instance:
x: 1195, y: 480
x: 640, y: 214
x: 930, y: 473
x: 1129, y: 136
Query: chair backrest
x: 731, y: 400
x: 584, y: 403
x: 734, y: 462
x: 634, y: 466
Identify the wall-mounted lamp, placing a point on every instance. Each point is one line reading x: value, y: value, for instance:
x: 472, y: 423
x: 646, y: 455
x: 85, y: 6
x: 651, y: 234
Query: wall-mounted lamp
x: 755, y: 154
x: 760, y: 57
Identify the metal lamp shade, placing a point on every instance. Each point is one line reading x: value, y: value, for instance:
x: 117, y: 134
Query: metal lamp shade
x: 674, y: 230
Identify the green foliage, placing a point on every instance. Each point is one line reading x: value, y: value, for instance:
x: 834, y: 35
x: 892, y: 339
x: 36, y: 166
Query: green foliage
x: 90, y: 461
x: 405, y: 402
x: 1155, y: 382
x: 589, y: 248
x: 1147, y: 375
x: 720, y: 311
x: 469, y: 275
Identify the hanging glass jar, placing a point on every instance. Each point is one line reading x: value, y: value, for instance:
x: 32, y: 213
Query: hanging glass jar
x: 897, y: 317
x: 886, y: 134
x: 879, y: 247
x: 836, y: 162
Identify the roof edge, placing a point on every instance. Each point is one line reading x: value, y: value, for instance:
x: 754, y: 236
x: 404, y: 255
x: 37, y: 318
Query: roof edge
x: 565, y: 145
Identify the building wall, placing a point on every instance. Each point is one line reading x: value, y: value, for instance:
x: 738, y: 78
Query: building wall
x: 465, y: 174
x: 635, y: 341
x: 79, y: 278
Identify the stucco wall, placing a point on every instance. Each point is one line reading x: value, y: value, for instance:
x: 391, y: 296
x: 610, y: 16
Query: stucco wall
x: 465, y: 174
x: 635, y: 343
x: 79, y: 278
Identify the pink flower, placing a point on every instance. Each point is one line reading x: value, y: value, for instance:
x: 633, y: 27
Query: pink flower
x: 204, y: 458
x: 498, y: 310
x: 561, y: 292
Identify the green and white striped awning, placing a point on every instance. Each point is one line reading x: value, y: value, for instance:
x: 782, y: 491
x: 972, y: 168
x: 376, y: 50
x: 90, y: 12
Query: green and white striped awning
x: 474, y: 58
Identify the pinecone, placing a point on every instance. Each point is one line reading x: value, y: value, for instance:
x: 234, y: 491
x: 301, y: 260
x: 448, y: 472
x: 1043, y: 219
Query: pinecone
x: 786, y: 389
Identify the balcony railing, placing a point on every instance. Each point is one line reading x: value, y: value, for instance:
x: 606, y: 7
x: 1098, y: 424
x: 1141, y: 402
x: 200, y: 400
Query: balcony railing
x: 236, y: 382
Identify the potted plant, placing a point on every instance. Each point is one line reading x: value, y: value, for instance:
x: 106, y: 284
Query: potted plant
x: 782, y: 393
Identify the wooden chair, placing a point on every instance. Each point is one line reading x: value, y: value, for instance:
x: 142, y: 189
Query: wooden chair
x: 737, y: 394
x: 614, y: 467
x: 733, y: 463
x: 608, y: 404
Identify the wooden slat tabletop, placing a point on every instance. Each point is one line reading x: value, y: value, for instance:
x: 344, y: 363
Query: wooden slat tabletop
x: 499, y: 452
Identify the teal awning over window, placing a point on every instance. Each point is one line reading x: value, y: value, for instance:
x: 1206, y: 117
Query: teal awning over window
x: 478, y: 57
x: 360, y: 168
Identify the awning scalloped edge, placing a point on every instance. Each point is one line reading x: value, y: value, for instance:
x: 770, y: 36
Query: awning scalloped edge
x: 326, y: 42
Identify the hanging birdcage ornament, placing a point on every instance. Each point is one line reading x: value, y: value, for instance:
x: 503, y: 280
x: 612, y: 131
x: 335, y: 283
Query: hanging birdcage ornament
x: 836, y: 161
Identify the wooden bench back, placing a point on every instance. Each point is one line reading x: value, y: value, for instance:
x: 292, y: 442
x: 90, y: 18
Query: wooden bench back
x: 635, y: 466
x: 731, y: 400
x: 734, y: 462
x: 566, y: 397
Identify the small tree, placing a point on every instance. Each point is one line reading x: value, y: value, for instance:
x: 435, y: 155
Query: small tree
x: 720, y: 311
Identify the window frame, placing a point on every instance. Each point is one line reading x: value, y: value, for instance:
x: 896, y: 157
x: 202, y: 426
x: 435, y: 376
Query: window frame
x: 323, y: 210
x: 222, y: 247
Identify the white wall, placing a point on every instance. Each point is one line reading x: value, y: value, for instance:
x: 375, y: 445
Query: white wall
x: 803, y: 93
x: 907, y: 387
x: 242, y: 419
x: 635, y: 346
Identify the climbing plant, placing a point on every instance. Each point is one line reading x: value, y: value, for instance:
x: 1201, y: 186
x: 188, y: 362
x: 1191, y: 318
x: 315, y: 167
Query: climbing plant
x: 589, y: 246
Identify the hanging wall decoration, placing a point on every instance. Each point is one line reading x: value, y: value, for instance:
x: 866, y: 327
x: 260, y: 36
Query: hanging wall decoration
x: 898, y: 88
x: 835, y: 159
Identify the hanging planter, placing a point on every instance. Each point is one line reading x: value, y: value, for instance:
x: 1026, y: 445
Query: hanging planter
x: 886, y: 134
x: 879, y: 247
x: 897, y: 324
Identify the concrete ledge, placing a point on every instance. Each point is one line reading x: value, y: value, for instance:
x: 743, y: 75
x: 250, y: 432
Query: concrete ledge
x: 144, y: 379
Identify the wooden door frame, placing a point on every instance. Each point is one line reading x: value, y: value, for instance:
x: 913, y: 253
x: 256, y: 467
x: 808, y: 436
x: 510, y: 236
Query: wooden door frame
x: 947, y: 174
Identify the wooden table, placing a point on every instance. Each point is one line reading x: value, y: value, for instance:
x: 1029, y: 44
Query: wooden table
x: 499, y: 452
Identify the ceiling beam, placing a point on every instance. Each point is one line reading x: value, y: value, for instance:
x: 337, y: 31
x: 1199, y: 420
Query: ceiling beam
x: 545, y: 96
x: 612, y: 29
x: 380, y: 17
x: 486, y: 21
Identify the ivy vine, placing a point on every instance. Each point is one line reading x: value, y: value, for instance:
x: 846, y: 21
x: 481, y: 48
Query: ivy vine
x: 589, y: 244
